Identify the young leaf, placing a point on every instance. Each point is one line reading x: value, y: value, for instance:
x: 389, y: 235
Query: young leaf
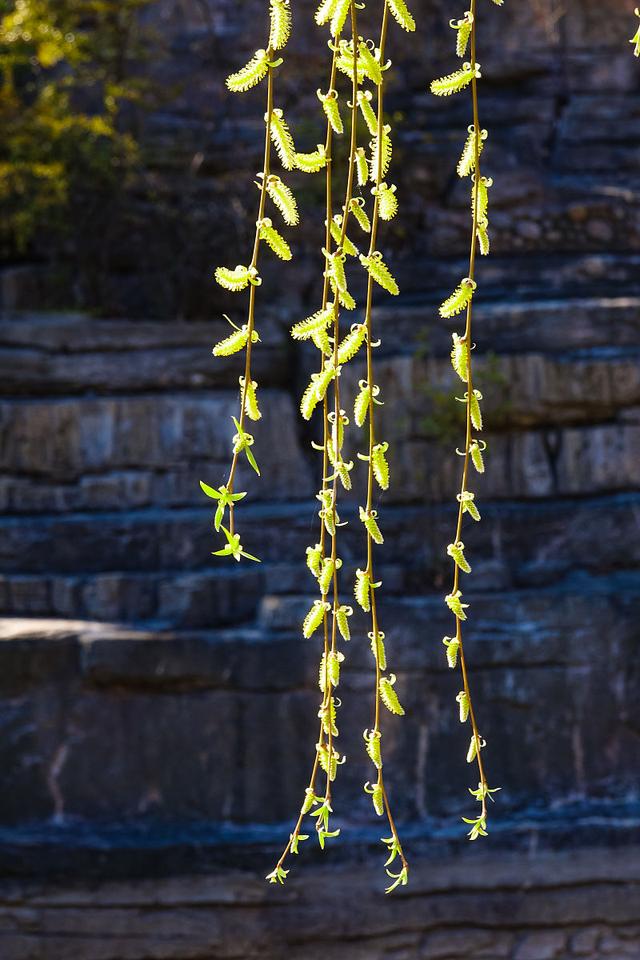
x: 325, y: 11
x: 467, y: 161
x: 455, y: 82
x: 317, y: 321
x: 389, y: 695
x: 342, y: 620
x: 371, y: 525
x: 463, y: 702
x: 401, y: 15
x: 283, y: 198
x: 378, y: 648
x: 377, y: 796
x: 455, y: 604
x: 380, y: 161
x: 339, y: 15
x: 476, y: 450
x: 380, y: 465
x: 459, y: 299
x: 233, y: 548
x: 453, y: 647
x: 250, y: 395
x: 387, y: 201
x: 280, y: 23
x: 364, y: 102
x: 362, y: 168
x: 274, y: 240
x: 331, y: 109
x: 370, y: 64
x: 399, y: 879
x: 352, y: 343
x: 379, y: 271
x: 251, y: 74
x: 235, y: 279
x: 282, y: 139
x: 233, y: 343
x: 468, y: 505
x: 463, y: 28
x: 314, y: 618
x: 460, y: 357
x: 243, y: 441
x: 456, y: 551
x: 277, y: 876
x: 356, y: 207
x: 314, y: 559
x: 312, y: 162
x: 372, y: 739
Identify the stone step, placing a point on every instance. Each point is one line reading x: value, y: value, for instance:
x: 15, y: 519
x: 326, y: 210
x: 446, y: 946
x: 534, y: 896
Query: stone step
x: 74, y: 353
x: 210, y: 597
x: 58, y: 354
x: 122, y: 723
x: 121, y: 452
x: 559, y: 903
x: 516, y: 543
x: 581, y: 327
x: 537, y: 463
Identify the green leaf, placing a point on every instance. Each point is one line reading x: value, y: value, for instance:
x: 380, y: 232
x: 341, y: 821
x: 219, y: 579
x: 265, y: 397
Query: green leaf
x: 401, y: 15
x: 279, y: 23
x: 400, y: 879
x: 459, y: 299
x: 277, y: 876
x: 251, y: 74
x: 456, y: 81
x: 389, y: 695
x: 282, y: 139
x: 210, y: 492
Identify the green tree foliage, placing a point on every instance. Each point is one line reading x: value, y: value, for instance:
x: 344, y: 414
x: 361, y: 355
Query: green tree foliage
x: 68, y: 77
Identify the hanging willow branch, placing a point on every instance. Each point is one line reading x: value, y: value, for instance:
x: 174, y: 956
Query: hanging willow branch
x: 241, y: 277
x: 323, y: 565
x: 461, y: 301
x: 362, y: 61
x: 384, y: 207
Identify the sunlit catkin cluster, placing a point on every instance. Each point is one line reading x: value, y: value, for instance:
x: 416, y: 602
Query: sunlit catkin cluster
x: 460, y: 302
x: 635, y: 40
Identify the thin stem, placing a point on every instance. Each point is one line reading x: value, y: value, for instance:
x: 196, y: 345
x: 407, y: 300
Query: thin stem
x: 336, y: 384
x: 468, y: 438
x: 372, y: 431
x: 331, y: 645
x: 266, y: 169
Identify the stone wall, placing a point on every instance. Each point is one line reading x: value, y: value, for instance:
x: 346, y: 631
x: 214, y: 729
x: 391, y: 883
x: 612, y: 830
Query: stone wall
x: 158, y: 710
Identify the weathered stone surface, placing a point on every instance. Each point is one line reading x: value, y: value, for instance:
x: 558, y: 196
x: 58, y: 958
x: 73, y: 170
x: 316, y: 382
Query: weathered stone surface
x: 112, y: 453
x: 525, y: 544
x: 74, y: 353
x: 453, y: 912
x: 163, y: 720
x: 526, y: 649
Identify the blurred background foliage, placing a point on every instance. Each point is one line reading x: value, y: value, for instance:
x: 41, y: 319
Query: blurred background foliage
x: 73, y: 88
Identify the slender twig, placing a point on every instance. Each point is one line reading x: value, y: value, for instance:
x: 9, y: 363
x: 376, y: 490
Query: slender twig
x: 266, y: 169
x: 372, y: 431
